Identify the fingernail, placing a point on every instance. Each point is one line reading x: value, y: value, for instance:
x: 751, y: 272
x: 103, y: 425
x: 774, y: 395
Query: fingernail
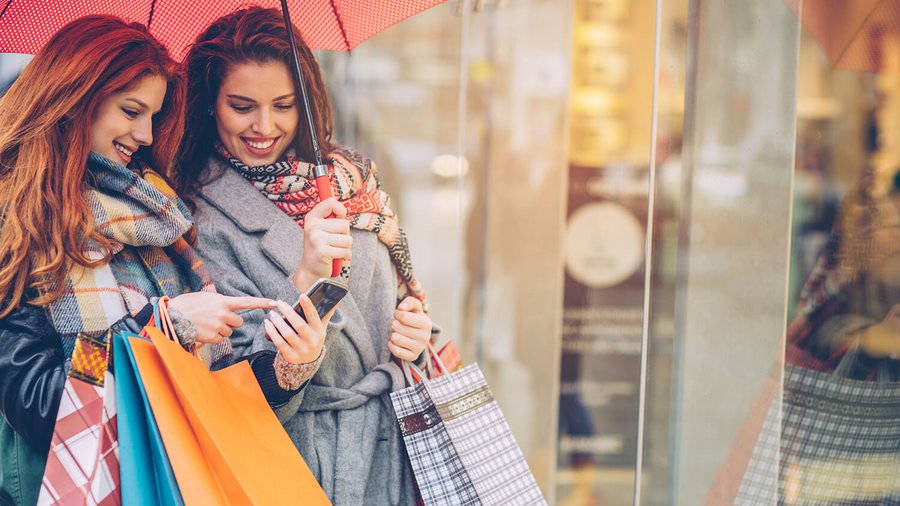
x: 272, y: 314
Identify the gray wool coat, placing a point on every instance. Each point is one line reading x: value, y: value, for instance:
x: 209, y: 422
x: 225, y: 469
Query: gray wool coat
x: 342, y: 421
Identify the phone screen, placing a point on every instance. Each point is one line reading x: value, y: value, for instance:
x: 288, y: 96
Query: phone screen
x: 324, y: 294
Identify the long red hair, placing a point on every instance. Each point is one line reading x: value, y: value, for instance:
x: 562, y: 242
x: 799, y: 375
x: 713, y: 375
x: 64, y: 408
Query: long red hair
x: 45, y: 120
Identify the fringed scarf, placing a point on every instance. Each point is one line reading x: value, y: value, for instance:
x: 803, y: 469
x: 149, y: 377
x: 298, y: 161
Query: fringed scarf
x: 290, y: 186
x: 853, y: 248
x: 152, y: 232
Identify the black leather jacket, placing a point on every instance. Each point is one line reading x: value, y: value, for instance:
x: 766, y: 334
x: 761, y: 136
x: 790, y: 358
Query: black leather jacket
x: 32, y: 369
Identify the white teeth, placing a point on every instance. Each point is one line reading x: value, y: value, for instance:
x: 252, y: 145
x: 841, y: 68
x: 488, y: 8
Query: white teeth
x: 259, y: 145
x: 122, y: 149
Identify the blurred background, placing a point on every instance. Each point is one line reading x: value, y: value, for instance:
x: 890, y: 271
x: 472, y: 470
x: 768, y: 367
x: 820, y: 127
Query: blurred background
x: 614, y: 205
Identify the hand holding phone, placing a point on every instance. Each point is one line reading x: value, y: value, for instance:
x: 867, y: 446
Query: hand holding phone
x: 300, y: 339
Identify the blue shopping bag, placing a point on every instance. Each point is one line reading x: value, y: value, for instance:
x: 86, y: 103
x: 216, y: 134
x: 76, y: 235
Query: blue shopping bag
x: 146, y: 474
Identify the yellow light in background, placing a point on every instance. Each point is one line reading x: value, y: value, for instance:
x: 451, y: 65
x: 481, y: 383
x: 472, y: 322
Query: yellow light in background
x: 448, y: 166
x: 605, y: 11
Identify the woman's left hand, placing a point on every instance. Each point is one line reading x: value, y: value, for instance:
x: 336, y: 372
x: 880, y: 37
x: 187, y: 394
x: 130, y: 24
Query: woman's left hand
x: 298, y: 340
x: 410, y: 330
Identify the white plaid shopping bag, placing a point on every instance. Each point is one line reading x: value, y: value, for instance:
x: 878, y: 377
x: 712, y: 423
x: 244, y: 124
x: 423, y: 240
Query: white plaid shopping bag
x: 83, y: 462
x: 459, y: 444
x: 823, y: 438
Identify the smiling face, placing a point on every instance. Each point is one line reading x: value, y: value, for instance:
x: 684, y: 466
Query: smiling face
x: 256, y: 112
x: 124, y: 120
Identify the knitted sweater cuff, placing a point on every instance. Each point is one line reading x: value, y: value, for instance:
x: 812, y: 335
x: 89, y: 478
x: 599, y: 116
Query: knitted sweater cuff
x: 292, y: 376
x: 267, y: 375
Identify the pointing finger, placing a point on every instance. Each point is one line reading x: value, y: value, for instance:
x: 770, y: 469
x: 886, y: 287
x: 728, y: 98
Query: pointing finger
x: 238, y: 303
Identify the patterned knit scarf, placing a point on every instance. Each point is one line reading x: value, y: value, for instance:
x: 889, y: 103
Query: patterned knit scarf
x: 289, y: 184
x: 842, y: 265
x: 151, y: 232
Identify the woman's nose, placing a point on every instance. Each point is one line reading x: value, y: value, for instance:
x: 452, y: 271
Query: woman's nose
x: 263, y: 123
x: 143, y: 133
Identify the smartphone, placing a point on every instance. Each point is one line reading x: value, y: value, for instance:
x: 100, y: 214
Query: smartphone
x: 325, y: 293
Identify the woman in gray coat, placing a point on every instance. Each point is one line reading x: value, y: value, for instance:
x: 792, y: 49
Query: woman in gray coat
x: 244, y: 164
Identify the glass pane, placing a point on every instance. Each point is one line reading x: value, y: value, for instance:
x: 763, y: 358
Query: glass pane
x: 720, y: 268
x: 840, y: 422
x: 484, y: 228
x: 611, y: 98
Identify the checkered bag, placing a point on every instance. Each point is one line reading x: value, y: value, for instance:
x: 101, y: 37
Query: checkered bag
x: 83, y: 462
x: 459, y: 444
x: 838, y: 438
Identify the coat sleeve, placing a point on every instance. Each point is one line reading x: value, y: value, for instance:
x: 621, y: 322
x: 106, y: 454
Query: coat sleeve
x: 32, y: 370
x: 32, y: 373
x: 228, y: 268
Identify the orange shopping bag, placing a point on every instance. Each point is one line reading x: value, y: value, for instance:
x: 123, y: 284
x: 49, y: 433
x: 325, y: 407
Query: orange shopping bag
x: 224, y: 442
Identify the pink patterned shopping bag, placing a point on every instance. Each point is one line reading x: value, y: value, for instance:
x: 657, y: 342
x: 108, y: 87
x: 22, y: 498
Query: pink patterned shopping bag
x: 83, y: 462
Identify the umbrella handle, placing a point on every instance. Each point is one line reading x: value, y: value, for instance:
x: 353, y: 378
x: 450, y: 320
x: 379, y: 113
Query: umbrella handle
x: 323, y: 185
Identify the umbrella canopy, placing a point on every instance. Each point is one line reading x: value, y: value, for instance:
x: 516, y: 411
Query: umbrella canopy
x: 851, y: 33
x: 26, y: 25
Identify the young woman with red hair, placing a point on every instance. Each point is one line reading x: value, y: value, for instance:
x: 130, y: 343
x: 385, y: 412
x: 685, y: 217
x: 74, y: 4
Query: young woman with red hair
x: 90, y: 235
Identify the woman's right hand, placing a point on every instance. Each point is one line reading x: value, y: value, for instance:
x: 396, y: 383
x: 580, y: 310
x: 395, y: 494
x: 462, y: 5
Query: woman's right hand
x: 299, y: 341
x: 324, y: 240
x: 214, y: 315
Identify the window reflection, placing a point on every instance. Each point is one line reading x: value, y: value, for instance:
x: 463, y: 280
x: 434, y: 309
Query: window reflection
x: 841, y: 402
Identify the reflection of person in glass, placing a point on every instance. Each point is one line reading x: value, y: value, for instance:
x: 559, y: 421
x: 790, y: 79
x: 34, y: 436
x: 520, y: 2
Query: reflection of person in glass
x: 852, y: 295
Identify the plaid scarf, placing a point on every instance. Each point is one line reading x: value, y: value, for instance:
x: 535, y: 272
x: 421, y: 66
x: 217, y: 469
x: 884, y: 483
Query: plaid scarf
x: 852, y: 249
x: 151, y: 230
x: 290, y: 186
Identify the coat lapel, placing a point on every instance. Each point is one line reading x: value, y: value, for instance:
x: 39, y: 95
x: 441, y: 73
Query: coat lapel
x: 281, y: 238
x: 281, y: 242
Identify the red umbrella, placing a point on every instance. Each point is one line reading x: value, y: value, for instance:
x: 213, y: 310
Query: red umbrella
x: 26, y: 25
x: 341, y: 25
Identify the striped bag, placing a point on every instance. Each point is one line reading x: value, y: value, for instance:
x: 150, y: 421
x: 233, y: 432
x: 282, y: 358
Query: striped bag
x: 459, y: 444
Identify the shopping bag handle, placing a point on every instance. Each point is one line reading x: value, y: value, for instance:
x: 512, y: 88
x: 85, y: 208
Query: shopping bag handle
x: 408, y: 368
x: 163, y: 320
x: 437, y: 359
x: 431, y: 354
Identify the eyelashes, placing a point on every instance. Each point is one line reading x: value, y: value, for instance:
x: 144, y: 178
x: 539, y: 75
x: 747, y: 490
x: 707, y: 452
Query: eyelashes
x: 243, y: 109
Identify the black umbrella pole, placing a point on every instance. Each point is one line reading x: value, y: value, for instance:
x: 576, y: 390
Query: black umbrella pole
x: 320, y: 172
x: 298, y: 73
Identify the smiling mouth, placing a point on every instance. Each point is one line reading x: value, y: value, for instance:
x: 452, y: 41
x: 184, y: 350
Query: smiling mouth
x: 128, y: 152
x: 258, y: 145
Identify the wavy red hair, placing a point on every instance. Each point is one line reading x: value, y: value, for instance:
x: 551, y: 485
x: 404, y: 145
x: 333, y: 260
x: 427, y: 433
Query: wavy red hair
x: 45, y: 120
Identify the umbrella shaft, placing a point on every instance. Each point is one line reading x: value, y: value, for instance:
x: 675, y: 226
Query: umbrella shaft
x: 298, y: 74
